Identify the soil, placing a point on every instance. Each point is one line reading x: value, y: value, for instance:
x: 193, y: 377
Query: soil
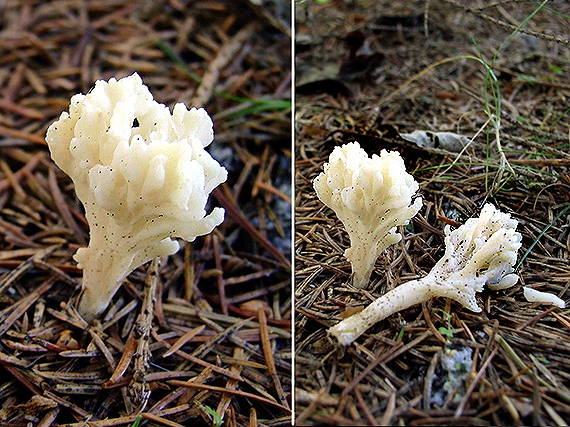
x: 223, y: 302
x: 370, y: 71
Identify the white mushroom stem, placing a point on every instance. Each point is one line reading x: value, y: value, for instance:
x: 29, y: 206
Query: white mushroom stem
x: 480, y: 252
x: 362, y: 255
x: 404, y: 296
x: 400, y: 298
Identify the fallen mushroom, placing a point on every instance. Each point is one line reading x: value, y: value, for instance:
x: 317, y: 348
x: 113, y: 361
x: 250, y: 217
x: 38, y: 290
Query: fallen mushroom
x: 480, y: 252
x: 532, y: 295
x: 142, y: 175
x: 371, y: 196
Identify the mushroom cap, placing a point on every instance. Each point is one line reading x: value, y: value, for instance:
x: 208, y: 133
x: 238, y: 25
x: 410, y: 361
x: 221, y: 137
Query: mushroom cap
x: 127, y: 153
x: 365, y: 186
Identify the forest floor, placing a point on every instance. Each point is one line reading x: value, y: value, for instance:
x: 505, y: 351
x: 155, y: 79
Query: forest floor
x: 369, y: 71
x: 217, y: 347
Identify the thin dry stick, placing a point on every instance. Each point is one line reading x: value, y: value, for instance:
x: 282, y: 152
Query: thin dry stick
x: 160, y: 420
x: 223, y: 57
x: 7, y: 320
x: 236, y: 392
x: 124, y: 361
x: 180, y: 342
x: 394, y: 352
x: 139, y: 391
x: 231, y: 384
x: 12, y: 277
x: 228, y: 333
x: 20, y: 194
x: 472, y: 386
x: 252, y: 417
x: 131, y: 418
x: 430, y: 324
x: 220, y: 276
x: 6, y: 359
x: 268, y: 353
x: 97, y: 335
x: 18, y: 109
x: 369, y: 417
x: 63, y: 208
x: 511, y: 27
x: 188, y: 272
x: 183, y: 395
x: 27, y: 168
x: 49, y: 418
x: 22, y: 378
x: 26, y: 136
x: 428, y: 380
x: 235, y: 213
x: 386, y: 419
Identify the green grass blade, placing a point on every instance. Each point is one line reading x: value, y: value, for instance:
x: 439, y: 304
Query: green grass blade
x: 542, y: 233
x: 268, y: 104
x: 137, y: 422
x: 217, y: 420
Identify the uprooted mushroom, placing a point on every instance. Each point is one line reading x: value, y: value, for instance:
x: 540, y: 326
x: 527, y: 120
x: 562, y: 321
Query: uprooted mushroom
x: 481, y: 252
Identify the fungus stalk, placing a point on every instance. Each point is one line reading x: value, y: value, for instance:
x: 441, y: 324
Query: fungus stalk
x: 480, y: 252
x: 142, y: 175
x: 371, y: 196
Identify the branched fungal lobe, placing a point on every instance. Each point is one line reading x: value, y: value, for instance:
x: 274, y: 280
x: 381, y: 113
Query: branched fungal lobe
x: 142, y: 175
x: 371, y: 196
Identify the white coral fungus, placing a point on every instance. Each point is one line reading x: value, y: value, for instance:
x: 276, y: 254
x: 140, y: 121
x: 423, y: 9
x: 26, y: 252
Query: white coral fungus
x: 480, y: 252
x: 371, y: 196
x: 142, y: 175
x: 532, y: 295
